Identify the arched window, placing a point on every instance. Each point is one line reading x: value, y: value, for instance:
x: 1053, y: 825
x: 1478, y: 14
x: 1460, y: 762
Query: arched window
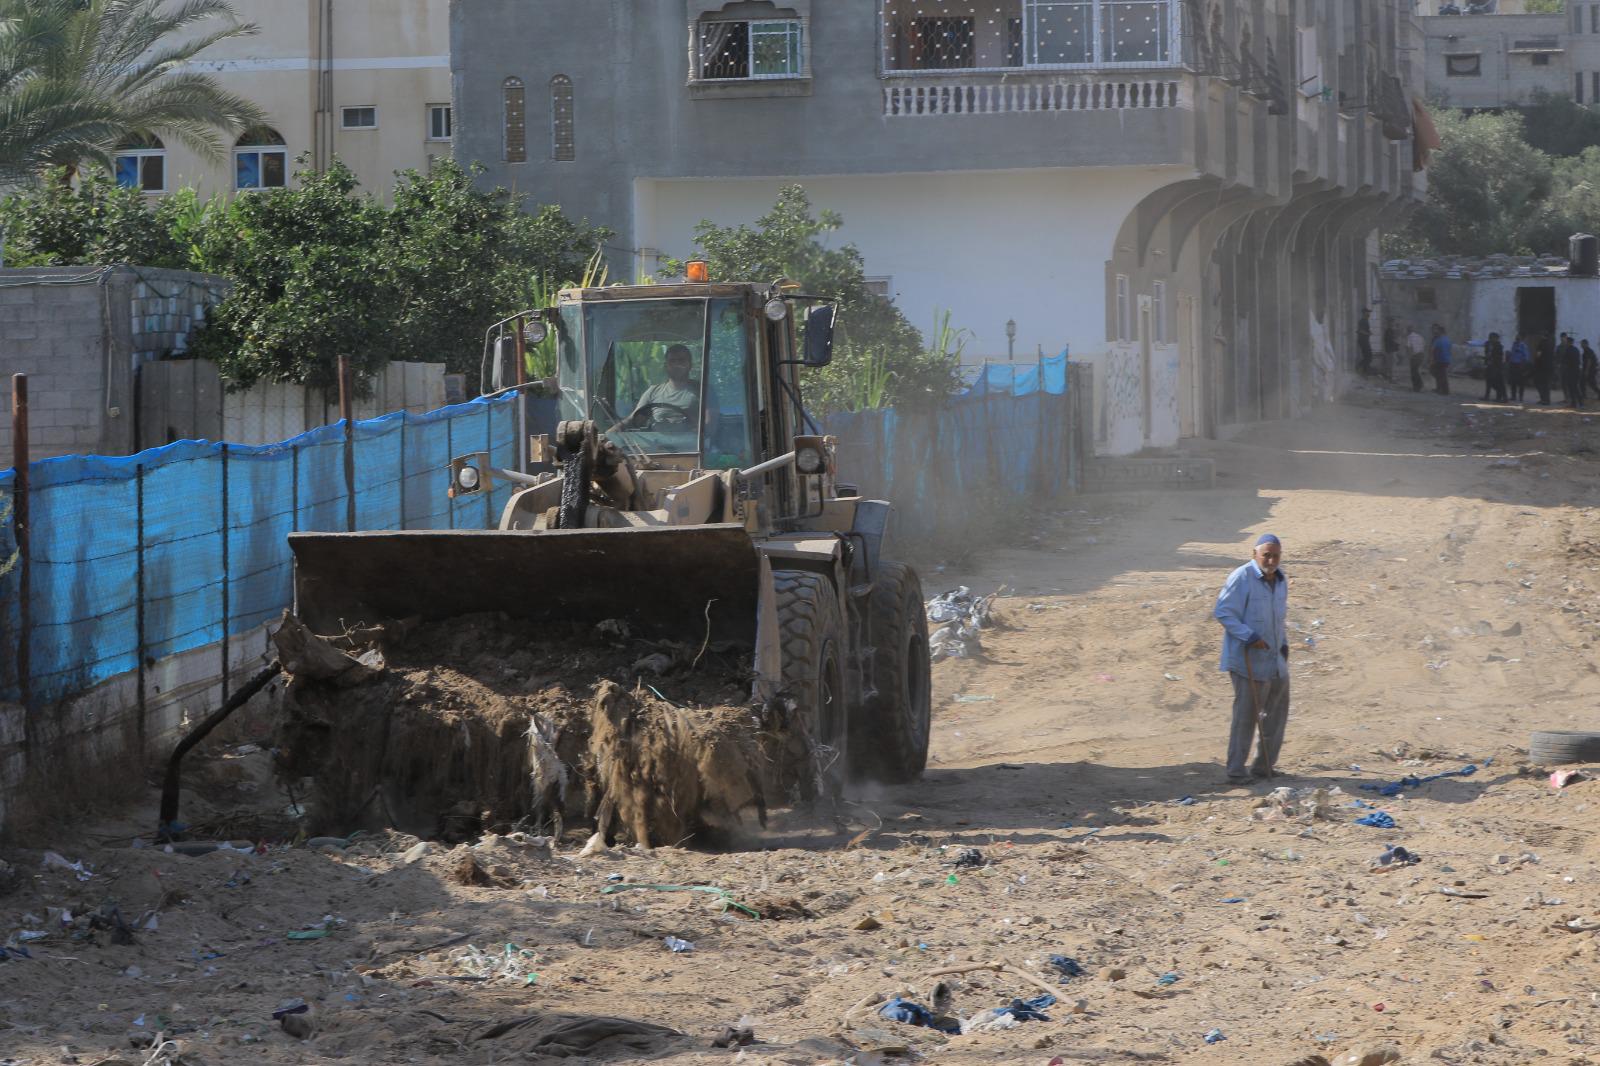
x: 260, y: 160
x: 141, y: 163
x: 563, y: 141
x: 516, y: 115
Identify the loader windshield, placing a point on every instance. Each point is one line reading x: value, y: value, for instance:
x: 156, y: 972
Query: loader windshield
x: 647, y: 384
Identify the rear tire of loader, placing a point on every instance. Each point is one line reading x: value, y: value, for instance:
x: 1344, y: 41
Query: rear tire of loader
x: 813, y: 674
x: 889, y: 739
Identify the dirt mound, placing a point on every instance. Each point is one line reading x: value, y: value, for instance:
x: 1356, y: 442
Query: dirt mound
x: 447, y: 729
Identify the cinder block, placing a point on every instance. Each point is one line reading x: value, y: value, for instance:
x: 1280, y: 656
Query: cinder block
x: 53, y: 400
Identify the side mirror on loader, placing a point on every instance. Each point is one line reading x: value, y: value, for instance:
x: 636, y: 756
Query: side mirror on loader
x: 819, y: 336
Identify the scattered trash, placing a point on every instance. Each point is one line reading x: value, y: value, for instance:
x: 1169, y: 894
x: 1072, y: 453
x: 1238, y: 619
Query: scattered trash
x: 1215, y: 1036
x: 1172, y: 677
x: 1560, y: 779
x: 952, y: 879
x: 909, y: 1012
x: 14, y: 953
x: 512, y: 962
x: 967, y: 859
x: 1377, y: 820
x: 1380, y: 1007
x: 721, y: 893
x: 678, y: 946
x: 735, y: 1037
x: 1304, y: 805
x: 1187, y: 801
x: 293, y: 1006
x: 960, y: 616
x: 80, y: 869
x: 974, y: 699
x: 1167, y: 980
x: 307, y: 934
x: 1394, y: 788
x: 1395, y: 855
x: 1233, y: 899
x: 1461, y: 893
x: 1067, y: 966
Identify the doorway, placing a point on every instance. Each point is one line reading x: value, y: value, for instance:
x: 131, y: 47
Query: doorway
x: 1536, y: 311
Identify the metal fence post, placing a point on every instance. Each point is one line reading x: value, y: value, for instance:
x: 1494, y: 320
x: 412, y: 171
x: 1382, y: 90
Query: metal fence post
x: 227, y: 574
x: 346, y: 407
x: 402, y: 466
x: 488, y: 451
x: 139, y: 597
x: 294, y: 488
x: 20, y: 533
x: 450, y: 450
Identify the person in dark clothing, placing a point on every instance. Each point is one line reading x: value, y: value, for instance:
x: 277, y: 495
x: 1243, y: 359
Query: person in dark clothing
x: 1518, y: 365
x: 1415, y: 346
x: 1494, y: 368
x: 1591, y: 371
x: 1569, y: 360
x: 1391, y: 349
x: 1543, y: 361
x: 1364, y: 341
x: 1440, y: 355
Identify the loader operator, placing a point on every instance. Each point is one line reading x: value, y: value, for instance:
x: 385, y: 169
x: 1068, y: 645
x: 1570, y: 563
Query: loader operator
x: 674, y: 401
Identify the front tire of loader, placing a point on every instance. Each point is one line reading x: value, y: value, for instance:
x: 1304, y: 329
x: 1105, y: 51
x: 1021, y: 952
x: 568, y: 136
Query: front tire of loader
x: 809, y: 628
x: 889, y: 739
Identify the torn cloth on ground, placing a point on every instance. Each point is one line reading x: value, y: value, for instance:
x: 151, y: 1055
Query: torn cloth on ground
x: 912, y: 1013
x: 1394, y: 788
x: 1378, y: 820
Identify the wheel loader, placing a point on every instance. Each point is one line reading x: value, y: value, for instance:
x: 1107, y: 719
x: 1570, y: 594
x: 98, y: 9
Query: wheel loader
x: 687, y: 495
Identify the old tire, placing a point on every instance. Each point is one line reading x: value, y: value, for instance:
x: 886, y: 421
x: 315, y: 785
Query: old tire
x: 889, y: 738
x: 809, y: 631
x: 1557, y: 747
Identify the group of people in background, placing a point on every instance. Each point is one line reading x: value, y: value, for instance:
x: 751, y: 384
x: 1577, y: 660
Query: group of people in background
x: 1538, y: 362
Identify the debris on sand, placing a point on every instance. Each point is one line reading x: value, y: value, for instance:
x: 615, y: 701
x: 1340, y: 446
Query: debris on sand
x: 960, y: 616
x: 483, y: 721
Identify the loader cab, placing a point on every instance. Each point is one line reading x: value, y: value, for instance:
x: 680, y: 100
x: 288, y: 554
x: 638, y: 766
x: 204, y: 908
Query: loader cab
x: 671, y: 380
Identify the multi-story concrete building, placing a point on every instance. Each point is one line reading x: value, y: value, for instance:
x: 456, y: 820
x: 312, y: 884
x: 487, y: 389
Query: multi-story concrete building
x: 366, y: 81
x: 1504, y: 58
x: 1181, y: 191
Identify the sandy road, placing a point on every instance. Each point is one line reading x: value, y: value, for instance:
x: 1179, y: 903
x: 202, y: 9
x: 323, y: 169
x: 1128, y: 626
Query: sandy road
x: 1444, y: 559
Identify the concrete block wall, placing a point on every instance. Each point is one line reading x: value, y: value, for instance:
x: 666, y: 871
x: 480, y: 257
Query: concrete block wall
x: 78, y: 333
x: 53, y: 327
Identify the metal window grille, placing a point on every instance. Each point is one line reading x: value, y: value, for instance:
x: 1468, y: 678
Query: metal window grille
x: 358, y: 118
x: 757, y: 49
x: 1048, y: 34
x: 516, y: 121
x: 563, y: 131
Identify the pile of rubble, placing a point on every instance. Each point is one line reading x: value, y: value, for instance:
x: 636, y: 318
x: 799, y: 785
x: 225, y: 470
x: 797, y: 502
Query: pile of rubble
x: 1467, y: 266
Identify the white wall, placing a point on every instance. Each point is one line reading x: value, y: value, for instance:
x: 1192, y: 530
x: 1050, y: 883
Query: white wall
x: 1024, y: 245
x: 1494, y: 306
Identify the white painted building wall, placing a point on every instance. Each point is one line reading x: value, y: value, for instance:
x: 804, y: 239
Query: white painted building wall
x: 1029, y: 246
x: 1493, y: 306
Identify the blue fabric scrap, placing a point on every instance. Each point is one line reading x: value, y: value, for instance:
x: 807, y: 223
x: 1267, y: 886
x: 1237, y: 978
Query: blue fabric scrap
x: 912, y: 1013
x: 1030, y: 1010
x: 1394, y: 788
x: 1067, y: 966
x: 1378, y: 820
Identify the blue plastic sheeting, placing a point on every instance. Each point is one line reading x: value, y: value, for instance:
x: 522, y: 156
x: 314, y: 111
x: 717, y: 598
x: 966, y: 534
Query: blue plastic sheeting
x: 212, y: 552
x: 1006, y: 440
x: 1018, y: 379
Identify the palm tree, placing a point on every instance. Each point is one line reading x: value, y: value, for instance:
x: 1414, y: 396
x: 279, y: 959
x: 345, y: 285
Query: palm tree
x: 80, y: 77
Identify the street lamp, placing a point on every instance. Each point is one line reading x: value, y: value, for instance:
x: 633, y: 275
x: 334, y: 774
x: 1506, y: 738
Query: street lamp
x: 1011, y: 339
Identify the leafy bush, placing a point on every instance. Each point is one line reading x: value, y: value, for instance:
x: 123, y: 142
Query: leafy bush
x: 879, y: 357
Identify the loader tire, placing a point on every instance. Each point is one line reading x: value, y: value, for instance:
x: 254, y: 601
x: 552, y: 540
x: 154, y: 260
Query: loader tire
x: 809, y: 628
x: 889, y: 739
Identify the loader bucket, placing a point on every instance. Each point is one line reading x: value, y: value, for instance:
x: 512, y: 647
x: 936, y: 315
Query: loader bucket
x: 658, y: 580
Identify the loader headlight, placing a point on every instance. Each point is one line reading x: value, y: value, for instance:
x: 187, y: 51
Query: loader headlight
x: 808, y: 461
x: 467, y: 479
x: 535, y: 330
x: 777, y: 310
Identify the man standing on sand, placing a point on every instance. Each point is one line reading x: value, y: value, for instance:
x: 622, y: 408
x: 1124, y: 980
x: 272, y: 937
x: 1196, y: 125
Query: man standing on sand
x: 1253, y: 608
x: 1415, y: 346
x: 1441, y: 361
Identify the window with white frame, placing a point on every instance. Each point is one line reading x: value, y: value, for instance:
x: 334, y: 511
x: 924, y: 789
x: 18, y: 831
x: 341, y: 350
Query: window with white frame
x: 1050, y: 34
x: 260, y: 160
x: 1124, y: 329
x: 358, y: 118
x: 141, y: 163
x: 441, y: 126
x: 1158, y: 311
x: 881, y: 286
x: 749, y: 50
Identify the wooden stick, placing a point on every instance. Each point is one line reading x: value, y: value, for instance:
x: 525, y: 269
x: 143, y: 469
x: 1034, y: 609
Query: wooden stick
x: 1031, y: 979
x: 876, y: 999
x: 995, y: 967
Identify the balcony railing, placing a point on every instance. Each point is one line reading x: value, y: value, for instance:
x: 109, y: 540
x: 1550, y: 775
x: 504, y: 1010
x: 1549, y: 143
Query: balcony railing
x: 1003, y: 97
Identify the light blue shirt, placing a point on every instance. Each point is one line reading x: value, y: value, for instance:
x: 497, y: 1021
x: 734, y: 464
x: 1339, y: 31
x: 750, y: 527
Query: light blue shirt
x: 1250, y: 609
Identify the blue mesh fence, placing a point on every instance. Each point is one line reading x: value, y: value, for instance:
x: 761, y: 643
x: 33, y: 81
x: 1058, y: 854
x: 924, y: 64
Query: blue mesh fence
x: 201, y: 528
x: 1008, y: 436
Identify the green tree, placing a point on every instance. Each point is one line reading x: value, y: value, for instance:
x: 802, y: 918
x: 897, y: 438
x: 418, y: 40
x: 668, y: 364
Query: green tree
x: 311, y: 282
x: 1546, y: 7
x: 464, y: 258
x: 56, y: 224
x: 1488, y: 191
x: 80, y: 77
x: 879, y: 357
x: 1558, y: 126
